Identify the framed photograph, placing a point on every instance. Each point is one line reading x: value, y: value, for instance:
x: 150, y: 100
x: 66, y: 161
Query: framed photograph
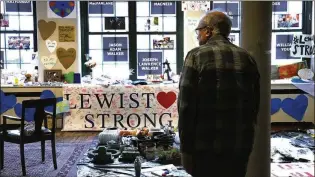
x: 52, y: 75
x: 19, y: 42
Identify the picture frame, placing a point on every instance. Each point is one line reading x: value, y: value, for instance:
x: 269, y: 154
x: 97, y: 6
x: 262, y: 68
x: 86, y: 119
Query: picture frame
x: 52, y: 75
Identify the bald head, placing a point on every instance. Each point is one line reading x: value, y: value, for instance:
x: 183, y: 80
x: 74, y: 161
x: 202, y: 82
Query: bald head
x: 218, y: 21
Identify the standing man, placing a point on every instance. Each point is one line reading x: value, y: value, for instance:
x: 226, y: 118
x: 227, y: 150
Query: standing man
x: 218, y: 102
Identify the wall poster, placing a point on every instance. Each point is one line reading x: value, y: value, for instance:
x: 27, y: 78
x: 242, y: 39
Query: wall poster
x: 303, y: 46
x: 66, y: 34
x: 18, y: 6
x: 115, y: 49
x: 279, y: 6
x: 291, y: 21
x: 101, y: 7
x: 150, y: 62
x: 163, y: 7
x: 19, y: 42
x: 163, y: 43
x: 283, y: 46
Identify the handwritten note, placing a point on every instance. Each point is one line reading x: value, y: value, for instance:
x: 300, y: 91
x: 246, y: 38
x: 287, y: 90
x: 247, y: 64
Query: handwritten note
x: 66, y: 34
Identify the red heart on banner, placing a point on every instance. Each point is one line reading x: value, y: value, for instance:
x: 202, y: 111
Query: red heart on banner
x: 166, y: 99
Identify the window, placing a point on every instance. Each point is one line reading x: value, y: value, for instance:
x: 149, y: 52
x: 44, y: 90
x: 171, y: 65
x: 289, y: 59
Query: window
x: 231, y: 8
x: 286, y: 21
x: 17, y: 34
x: 109, y: 36
x: 143, y: 47
x: 156, y: 37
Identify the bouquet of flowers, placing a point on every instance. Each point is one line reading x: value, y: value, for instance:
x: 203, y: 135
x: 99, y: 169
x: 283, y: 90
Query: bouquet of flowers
x: 90, y: 63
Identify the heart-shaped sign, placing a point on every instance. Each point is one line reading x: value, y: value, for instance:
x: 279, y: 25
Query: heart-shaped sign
x: 6, y: 102
x: 166, y: 99
x: 51, y: 45
x: 62, y: 8
x: 295, y: 108
x: 306, y: 74
x: 275, y: 105
x: 66, y: 57
x: 46, y: 29
x: 29, y: 112
x: 69, y: 77
x: 49, y: 94
x: 49, y: 62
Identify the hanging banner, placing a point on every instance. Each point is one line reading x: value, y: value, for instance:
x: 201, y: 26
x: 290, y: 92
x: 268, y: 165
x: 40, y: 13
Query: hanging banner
x: 149, y: 63
x: 94, y: 107
x: 283, y: 46
x: 279, y: 6
x: 163, y: 7
x: 195, y: 5
x: 231, y: 9
x: 18, y: 6
x: 101, y: 7
x: 115, y: 49
x: 303, y: 46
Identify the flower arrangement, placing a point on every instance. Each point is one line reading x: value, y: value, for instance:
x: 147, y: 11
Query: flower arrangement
x: 90, y: 64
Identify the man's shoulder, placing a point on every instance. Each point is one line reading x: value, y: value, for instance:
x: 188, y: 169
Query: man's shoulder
x: 211, y: 48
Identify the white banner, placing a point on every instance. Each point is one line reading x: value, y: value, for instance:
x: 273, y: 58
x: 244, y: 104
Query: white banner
x: 303, y: 46
x: 94, y: 107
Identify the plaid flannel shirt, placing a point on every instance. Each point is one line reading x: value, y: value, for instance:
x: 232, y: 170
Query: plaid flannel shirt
x: 218, y: 98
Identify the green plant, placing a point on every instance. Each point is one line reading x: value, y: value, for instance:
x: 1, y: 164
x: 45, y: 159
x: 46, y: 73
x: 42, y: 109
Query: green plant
x: 173, y: 153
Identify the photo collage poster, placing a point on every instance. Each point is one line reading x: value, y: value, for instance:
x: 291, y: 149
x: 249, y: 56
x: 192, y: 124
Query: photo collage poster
x: 284, y: 18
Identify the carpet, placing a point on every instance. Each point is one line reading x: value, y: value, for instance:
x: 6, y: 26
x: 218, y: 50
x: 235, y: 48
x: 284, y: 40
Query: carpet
x: 67, y: 156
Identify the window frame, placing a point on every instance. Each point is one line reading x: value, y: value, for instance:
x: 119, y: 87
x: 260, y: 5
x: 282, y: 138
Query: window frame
x: 132, y: 36
x: 33, y: 32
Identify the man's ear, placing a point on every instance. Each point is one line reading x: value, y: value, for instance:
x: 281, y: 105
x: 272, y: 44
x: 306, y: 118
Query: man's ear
x: 209, y: 31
